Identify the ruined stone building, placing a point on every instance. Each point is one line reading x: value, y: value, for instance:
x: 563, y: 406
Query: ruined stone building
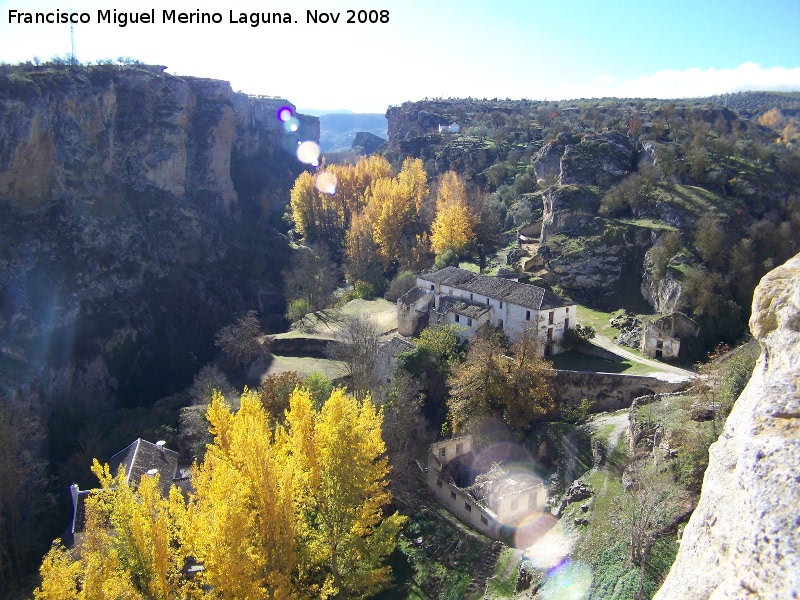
x: 485, y: 494
x: 662, y: 338
x: 453, y: 296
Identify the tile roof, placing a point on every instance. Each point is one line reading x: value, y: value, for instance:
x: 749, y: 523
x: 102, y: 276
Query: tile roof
x: 396, y: 346
x: 513, y: 292
x: 142, y: 456
x: 79, y: 508
x: 460, y: 306
x: 413, y: 295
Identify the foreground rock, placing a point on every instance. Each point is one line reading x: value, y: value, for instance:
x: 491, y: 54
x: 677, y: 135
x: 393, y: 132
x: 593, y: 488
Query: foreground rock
x: 743, y: 540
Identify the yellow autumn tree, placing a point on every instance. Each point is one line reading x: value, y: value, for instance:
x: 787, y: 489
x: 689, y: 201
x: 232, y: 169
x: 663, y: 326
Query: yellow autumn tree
x: 389, y: 208
x: 304, y: 200
x: 240, y: 519
x: 277, y: 512
x: 412, y: 177
x: 361, y: 252
x: 130, y: 546
x: 341, y: 489
x: 453, y: 227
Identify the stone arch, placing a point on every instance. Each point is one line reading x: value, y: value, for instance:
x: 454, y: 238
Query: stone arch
x: 634, y: 392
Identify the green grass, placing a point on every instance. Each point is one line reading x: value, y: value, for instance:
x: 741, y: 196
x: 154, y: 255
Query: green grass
x: 696, y: 200
x: 649, y: 224
x: 503, y: 581
x: 324, y: 324
x: 574, y: 361
x: 598, y: 319
x: 304, y: 365
x: 469, y: 266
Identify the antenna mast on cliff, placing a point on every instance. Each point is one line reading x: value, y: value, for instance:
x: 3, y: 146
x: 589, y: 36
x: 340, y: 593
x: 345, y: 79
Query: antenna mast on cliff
x: 72, y: 38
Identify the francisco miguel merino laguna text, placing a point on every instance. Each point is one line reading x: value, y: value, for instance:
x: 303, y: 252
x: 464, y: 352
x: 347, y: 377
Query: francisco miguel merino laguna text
x: 122, y: 19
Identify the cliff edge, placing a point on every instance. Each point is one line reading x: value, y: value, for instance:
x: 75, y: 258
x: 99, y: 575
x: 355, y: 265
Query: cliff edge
x: 135, y: 212
x: 743, y: 540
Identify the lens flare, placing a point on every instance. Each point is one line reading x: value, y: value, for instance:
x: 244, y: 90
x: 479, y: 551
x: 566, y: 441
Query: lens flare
x: 308, y: 152
x: 531, y: 531
x: 545, y: 547
x: 291, y: 125
x: 326, y: 182
x: 570, y: 581
x: 285, y: 113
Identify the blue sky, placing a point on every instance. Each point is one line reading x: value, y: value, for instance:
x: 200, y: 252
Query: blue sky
x: 501, y: 48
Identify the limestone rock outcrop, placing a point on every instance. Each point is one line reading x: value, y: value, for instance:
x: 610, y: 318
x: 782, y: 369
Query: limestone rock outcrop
x: 134, y: 210
x: 367, y: 143
x: 743, y: 539
x: 585, y: 253
x: 596, y: 159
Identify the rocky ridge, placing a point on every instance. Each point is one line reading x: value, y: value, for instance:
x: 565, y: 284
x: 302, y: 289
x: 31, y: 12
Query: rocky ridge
x: 135, y: 209
x: 745, y: 531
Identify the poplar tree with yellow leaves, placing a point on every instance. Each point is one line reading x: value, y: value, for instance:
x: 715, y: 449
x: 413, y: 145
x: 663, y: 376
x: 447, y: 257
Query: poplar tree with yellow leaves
x: 453, y: 227
x: 277, y: 512
x: 341, y: 489
x: 130, y: 546
x: 370, y: 210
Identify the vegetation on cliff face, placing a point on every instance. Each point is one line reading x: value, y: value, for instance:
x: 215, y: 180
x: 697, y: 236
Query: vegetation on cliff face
x: 617, y: 176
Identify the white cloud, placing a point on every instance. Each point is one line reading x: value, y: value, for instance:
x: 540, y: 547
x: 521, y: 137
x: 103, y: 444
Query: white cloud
x: 693, y: 82
x: 603, y: 79
x: 698, y: 82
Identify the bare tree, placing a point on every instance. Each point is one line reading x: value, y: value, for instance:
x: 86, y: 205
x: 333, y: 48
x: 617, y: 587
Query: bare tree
x: 357, y: 346
x: 649, y: 508
x: 239, y: 342
x: 312, y: 276
x: 208, y: 379
x: 407, y: 434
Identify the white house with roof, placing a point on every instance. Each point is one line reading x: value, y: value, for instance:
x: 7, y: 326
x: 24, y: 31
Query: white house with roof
x: 450, y: 128
x: 453, y: 296
x: 139, y: 459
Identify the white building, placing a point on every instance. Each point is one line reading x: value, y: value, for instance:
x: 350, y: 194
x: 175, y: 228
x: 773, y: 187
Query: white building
x: 453, y: 296
x: 451, y: 128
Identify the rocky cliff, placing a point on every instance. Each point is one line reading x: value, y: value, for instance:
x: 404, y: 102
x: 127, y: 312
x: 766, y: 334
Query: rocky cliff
x: 743, y: 540
x: 134, y: 210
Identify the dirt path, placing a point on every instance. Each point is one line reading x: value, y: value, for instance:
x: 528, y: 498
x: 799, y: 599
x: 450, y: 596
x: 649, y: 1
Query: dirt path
x: 660, y: 369
x: 620, y: 422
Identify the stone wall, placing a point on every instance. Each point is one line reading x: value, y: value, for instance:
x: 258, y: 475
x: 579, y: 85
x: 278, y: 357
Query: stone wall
x: 609, y: 391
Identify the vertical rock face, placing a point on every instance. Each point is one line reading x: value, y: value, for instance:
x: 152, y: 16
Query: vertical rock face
x: 133, y: 219
x: 743, y: 540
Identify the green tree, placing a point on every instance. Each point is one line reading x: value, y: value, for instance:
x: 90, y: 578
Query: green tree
x: 515, y: 388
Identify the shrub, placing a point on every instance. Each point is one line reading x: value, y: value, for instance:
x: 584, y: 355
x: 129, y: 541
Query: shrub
x: 298, y: 309
x: 403, y: 281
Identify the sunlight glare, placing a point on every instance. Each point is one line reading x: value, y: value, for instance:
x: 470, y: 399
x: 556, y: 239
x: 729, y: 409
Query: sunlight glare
x: 326, y: 182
